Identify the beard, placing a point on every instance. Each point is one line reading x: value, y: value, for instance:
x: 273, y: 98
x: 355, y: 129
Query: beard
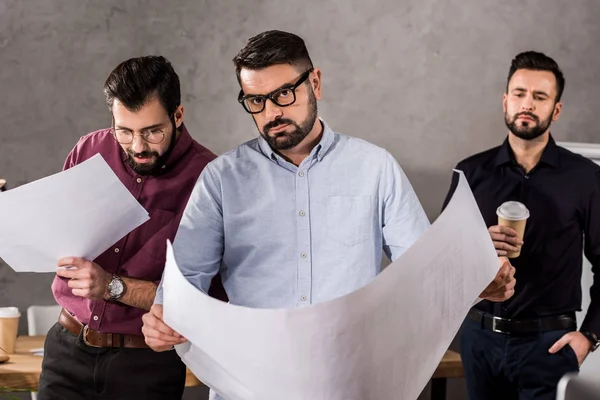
x: 288, y: 140
x: 529, y: 130
x: 154, y: 167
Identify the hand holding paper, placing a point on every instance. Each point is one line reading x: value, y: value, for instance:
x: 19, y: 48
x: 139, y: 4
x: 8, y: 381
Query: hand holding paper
x: 159, y: 336
x: 78, y: 212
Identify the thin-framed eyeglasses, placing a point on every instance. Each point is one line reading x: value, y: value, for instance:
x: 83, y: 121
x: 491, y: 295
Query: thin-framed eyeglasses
x: 154, y: 134
x: 282, y: 97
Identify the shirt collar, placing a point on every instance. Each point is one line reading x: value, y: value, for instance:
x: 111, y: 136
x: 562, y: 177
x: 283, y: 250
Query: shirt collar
x: 319, y: 151
x: 184, y: 141
x: 550, y: 155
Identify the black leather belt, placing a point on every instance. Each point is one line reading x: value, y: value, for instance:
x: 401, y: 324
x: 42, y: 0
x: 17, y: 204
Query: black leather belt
x: 523, y: 326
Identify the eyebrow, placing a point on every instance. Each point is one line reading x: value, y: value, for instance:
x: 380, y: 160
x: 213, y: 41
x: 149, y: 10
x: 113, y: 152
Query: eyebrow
x: 538, y: 92
x: 284, y: 86
x: 143, y: 129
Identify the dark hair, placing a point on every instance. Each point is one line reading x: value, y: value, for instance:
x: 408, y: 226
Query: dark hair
x: 137, y: 80
x: 272, y: 48
x: 538, y: 62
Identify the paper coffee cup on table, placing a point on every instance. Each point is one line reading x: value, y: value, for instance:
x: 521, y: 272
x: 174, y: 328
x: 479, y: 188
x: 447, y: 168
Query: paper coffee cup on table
x: 514, y: 215
x: 9, y: 326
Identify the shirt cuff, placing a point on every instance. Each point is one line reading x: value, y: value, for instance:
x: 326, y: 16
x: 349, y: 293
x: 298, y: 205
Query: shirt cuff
x: 158, y: 299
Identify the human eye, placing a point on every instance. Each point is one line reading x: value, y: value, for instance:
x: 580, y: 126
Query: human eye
x: 255, y: 101
x: 287, y: 92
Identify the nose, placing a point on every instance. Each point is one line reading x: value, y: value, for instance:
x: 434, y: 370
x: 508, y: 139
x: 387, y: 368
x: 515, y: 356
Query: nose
x: 527, y: 104
x: 272, y: 111
x: 138, y: 144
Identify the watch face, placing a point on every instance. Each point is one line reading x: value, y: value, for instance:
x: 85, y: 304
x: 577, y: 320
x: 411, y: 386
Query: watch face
x: 115, y: 287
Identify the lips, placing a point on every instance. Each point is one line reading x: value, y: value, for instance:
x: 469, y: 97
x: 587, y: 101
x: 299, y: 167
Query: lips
x: 278, y: 129
x: 143, y: 160
x: 526, y: 118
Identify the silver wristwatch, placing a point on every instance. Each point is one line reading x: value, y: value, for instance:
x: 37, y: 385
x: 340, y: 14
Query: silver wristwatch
x: 116, y: 288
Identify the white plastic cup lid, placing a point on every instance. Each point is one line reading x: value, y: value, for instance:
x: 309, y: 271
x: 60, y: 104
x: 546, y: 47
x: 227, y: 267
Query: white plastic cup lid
x: 9, y: 312
x: 513, y: 211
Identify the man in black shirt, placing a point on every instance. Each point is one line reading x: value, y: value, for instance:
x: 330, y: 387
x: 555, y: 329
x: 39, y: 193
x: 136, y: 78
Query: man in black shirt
x: 519, y: 349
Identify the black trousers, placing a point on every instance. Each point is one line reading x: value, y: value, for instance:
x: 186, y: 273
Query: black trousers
x: 503, y: 367
x: 73, y: 370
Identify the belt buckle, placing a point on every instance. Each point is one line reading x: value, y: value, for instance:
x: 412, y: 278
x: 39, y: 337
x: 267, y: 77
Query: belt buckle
x: 495, y: 321
x: 86, y: 330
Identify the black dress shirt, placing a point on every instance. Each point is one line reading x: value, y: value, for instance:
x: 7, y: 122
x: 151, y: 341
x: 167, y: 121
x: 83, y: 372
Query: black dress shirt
x: 562, y: 194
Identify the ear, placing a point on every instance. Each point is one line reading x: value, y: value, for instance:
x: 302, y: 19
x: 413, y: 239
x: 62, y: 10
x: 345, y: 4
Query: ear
x: 557, y: 111
x: 315, y: 82
x: 178, y: 116
x: 504, y: 100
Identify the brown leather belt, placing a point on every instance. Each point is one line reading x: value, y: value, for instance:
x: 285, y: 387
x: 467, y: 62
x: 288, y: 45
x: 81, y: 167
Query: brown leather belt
x: 100, y: 339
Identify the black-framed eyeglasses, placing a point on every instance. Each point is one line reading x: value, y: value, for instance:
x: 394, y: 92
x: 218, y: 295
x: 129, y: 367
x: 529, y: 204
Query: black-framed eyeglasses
x: 153, y: 135
x: 282, y: 97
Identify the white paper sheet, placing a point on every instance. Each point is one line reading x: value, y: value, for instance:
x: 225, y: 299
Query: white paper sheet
x: 383, y: 341
x: 79, y: 212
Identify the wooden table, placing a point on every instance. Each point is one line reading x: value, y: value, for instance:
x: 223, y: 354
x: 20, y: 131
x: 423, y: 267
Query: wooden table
x: 449, y: 367
x: 23, y: 369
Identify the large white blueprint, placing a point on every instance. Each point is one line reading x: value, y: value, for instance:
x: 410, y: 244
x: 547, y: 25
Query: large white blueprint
x: 381, y: 342
x: 79, y: 212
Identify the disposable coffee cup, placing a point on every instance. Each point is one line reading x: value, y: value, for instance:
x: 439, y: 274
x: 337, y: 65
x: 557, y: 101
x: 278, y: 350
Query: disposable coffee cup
x: 514, y: 215
x: 9, y: 326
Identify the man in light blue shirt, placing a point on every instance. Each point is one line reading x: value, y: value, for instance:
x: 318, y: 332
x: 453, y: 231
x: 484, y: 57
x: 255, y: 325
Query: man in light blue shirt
x: 301, y: 214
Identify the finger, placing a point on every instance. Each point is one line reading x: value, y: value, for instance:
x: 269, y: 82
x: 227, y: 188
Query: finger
x: 499, y: 245
x: 81, y: 293
x: 510, y: 277
x: 157, y: 310
x: 160, y: 339
x: 501, y: 297
x: 559, y: 344
x: 79, y: 284
x: 501, y: 252
x: 157, y: 346
x: 71, y: 261
x: 154, y: 339
x: 501, y: 292
x: 502, y: 237
x: 155, y: 324
x: 502, y: 274
x: 74, y: 273
x: 503, y: 230
x: 66, y: 273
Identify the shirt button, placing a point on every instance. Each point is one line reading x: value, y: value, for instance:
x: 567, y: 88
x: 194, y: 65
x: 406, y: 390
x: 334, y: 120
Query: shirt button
x: 300, y: 174
x: 139, y: 180
x: 302, y: 213
x: 303, y: 255
x: 164, y: 166
x: 95, y: 318
x: 303, y: 298
x: 116, y: 250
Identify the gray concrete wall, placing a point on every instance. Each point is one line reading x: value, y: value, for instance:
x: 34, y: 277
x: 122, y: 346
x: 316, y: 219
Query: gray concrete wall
x: 423, y: 79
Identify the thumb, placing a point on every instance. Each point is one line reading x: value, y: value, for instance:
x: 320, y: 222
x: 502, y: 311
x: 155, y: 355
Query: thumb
x: 560, y: 343
x: 157, y: 310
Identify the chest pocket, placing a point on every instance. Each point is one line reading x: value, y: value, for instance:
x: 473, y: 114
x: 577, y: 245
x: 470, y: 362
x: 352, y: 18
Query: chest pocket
x: 349, y: 219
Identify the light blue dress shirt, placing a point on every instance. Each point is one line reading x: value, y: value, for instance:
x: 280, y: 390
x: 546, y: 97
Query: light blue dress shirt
x: 284, y: 236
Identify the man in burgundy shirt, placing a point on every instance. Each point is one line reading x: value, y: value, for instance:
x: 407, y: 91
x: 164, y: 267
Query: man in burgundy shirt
x: 96, y: 350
